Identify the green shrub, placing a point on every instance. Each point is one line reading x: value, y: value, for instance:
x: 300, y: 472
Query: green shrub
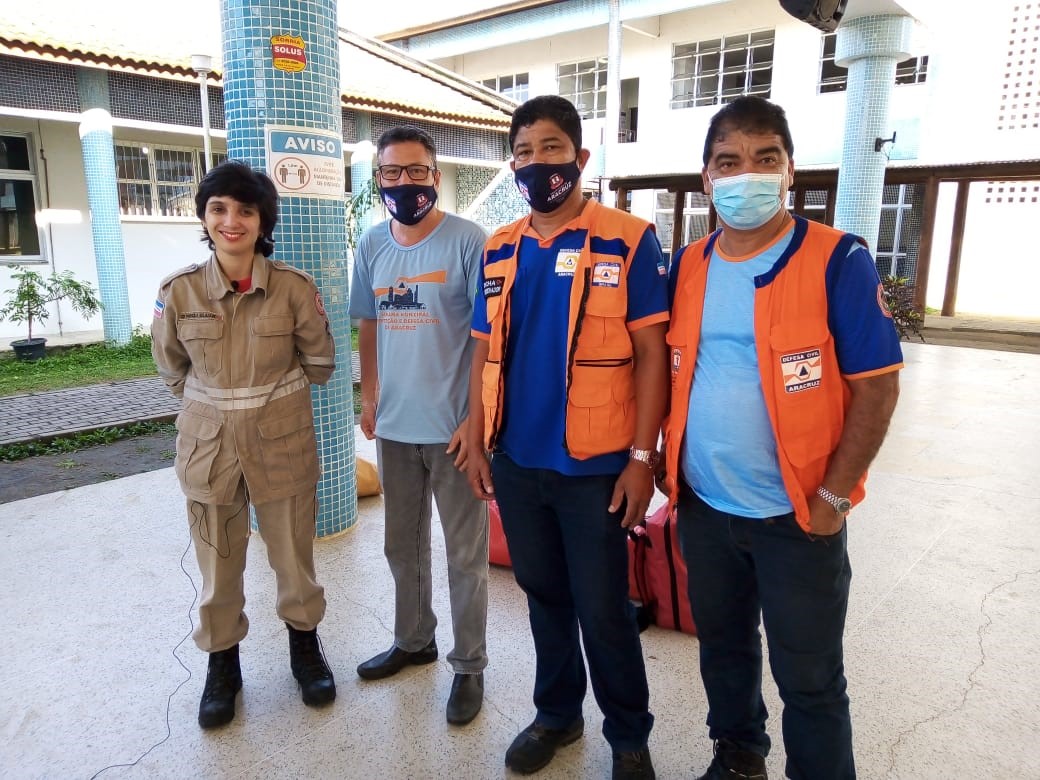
x: 899, y: 297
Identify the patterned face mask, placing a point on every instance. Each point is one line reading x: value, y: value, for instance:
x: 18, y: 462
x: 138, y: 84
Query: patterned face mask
x: 545, y: 186
x: 409, y: 203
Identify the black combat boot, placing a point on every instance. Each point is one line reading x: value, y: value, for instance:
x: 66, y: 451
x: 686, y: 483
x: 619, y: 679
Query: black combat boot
x: 309, y: 668
x: 223, y: 682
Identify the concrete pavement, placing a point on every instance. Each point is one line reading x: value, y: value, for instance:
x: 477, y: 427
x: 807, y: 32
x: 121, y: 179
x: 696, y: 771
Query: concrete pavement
x: 942, y: 643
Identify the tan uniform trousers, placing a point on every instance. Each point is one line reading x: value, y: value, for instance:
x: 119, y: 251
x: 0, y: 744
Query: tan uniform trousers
x: 220, y: 533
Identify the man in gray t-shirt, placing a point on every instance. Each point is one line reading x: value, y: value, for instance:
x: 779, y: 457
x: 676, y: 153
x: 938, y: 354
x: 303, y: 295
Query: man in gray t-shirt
x: 414, y: 282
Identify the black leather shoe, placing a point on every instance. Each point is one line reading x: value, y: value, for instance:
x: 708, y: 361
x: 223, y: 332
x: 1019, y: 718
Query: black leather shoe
x: 317, y: 684
x: 394, y: 660
x: 633, y: 766
x: 535, y: 746
x: 732, y: 762
x: 467, y: 694
x: 223, y: 682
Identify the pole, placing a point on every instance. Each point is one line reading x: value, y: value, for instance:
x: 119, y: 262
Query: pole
x: 203, y: 64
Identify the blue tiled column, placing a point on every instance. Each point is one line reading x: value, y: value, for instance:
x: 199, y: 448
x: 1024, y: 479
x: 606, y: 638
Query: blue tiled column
x: 311, y: 232
x: 99, y: 166
x: 870, y: 47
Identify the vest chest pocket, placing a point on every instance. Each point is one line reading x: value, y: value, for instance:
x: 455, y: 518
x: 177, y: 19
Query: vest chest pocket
x: 273, y: 345
x: 808, y: 390
x: 203, y: 339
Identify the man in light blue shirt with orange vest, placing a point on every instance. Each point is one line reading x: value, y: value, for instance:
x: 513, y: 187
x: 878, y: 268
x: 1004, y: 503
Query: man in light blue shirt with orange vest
x: 784, y: 362
x: 570, y: 369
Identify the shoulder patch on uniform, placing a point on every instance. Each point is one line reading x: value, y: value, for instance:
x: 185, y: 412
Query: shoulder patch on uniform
x: 179, y: 272
x: 281, y: 265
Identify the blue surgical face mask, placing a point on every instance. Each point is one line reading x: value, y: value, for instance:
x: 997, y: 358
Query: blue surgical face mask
x: 409, y: 203
x: 545, y: 186
x: 748, y: 201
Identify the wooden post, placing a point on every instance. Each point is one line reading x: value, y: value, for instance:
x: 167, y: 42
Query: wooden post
x: 832, y: 199
x: 924, y: 244
x: 678, y: 225
x: 960, y: 212
x: 622, y: 199
x: 799, y: 201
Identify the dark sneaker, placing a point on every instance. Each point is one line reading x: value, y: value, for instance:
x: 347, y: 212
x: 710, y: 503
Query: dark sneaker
x: 465, y: 699
x: 317, y: 685
x: 394, y: 660
x: 223, y: 682
x: 535, y: 746
x: 633, y: 766
x: 732, y: 762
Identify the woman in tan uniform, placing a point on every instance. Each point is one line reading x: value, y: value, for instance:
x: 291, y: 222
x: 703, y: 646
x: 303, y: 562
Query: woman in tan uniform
x: 240, y: 338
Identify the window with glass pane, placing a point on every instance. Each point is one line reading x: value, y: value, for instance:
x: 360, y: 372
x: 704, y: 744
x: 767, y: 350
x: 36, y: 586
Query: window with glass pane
x: 158, y: 180
x: 913, y: 71
x: 718, y: 70
x: 19, y: 233
x: 133, y: 180
x: 175, y: 180
x: 832, y: 78
x: 513, y: 85
x: 585, y: 85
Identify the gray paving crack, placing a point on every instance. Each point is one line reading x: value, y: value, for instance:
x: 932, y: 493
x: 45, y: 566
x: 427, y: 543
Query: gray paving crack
x: 987, y: 621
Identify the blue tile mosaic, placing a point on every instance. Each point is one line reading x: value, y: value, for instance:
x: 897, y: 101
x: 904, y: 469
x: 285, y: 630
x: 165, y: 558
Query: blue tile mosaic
x: 311, y: 233
x: 870, y: 47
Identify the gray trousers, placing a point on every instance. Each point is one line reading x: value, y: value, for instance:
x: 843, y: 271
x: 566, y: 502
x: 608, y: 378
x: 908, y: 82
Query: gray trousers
x: 413, y: 475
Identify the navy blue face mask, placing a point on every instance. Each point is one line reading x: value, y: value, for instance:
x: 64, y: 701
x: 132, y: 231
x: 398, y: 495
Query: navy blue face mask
x: 409, y: 203
x: 545, y: 186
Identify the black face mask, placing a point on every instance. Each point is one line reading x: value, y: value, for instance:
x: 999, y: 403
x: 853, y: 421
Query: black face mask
x: 409, y: 203
x: 547, y: 185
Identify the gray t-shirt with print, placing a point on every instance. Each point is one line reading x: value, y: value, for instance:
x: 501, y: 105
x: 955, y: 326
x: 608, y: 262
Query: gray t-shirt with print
x: 422, y: 299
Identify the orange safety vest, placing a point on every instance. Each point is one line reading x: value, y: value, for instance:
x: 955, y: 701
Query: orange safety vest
x: 804, y: 392
x: 601, y: 404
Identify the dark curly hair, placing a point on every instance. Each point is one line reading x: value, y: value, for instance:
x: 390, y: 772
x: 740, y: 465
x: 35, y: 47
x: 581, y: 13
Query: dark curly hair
x: 235, y: 179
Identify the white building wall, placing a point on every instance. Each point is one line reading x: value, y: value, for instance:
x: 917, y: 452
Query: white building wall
x: 153, y: 247
x: 952, y: 117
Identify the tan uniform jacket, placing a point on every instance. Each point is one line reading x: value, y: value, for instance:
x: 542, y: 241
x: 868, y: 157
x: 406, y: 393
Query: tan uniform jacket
x: 243, y: 365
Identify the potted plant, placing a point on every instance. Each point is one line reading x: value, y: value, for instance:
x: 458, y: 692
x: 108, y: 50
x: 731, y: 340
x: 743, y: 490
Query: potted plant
x: 30, y: 301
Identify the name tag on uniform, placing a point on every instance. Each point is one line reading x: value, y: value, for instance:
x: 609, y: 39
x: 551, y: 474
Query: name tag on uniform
x: 606, y: 275
x: 566, y: 262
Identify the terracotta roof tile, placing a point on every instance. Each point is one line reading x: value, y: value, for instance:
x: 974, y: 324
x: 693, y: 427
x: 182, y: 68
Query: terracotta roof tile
x: 374, y: 76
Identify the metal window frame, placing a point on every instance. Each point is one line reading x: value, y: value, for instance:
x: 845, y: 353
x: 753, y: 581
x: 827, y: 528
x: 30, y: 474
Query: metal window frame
x: 599, y: 94
x: 31, y: 176
x: 153, y: 182
x: 727, y: 43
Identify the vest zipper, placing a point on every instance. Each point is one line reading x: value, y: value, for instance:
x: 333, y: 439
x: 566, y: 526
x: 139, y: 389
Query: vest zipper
x: 587, y: 275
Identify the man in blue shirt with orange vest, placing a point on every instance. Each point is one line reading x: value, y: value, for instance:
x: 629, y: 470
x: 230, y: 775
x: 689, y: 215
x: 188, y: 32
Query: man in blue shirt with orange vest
x: 570, y: 367
x: 784, y: 362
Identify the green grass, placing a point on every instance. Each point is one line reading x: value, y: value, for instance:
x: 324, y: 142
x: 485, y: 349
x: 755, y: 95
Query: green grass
x: 81, y: 441
x: 77, y: 366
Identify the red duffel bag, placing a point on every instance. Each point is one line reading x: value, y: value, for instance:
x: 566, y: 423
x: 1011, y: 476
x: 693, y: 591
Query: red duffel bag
x: 665, y: 573
x: 498, y: 552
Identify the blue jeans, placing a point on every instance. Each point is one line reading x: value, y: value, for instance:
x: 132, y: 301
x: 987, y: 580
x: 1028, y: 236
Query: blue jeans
x: 738, y: 568
x: 571, y: 559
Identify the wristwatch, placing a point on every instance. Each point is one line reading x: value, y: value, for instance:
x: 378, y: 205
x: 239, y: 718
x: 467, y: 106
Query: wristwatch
x: 841, y: 505
x: 648, y: 458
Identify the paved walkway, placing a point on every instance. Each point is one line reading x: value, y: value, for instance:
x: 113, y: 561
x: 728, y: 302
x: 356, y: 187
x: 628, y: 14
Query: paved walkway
x: 41, y: 416
x: 37, y: 416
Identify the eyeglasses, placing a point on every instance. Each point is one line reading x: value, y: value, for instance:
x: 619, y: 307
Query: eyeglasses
x: 415, y: 172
